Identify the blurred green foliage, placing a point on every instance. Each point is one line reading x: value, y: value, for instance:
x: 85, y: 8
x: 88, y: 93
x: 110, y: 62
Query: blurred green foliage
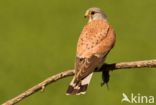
x: 38, y: 39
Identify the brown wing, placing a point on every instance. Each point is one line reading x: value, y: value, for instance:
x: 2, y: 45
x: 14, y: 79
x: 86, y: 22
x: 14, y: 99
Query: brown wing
x: 96, y: 40
x: 85, y: 66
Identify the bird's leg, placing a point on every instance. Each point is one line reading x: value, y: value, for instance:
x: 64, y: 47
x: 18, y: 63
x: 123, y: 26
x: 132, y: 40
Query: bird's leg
x: 105, y: 77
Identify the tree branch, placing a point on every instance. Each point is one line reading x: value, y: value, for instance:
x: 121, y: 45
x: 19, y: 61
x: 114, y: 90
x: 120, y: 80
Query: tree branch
x: 54, y: 78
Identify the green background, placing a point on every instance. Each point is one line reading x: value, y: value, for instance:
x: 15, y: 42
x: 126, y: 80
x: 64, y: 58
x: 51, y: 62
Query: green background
x: 38, y: 39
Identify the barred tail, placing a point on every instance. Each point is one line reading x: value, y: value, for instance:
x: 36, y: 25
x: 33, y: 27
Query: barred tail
x: 79, y: 88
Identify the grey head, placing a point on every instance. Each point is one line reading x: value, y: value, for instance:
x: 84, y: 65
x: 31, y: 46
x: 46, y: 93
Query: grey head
x: 95, y: 13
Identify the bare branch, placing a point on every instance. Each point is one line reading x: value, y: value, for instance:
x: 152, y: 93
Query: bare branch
x: 54, y: 78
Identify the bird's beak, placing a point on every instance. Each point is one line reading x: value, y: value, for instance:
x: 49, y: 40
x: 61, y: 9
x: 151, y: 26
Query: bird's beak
x: 86, y: 14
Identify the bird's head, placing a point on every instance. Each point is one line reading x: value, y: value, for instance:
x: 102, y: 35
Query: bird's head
x: 95, y: 13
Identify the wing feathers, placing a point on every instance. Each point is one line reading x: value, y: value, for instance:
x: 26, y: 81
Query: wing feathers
x: 86, y: 66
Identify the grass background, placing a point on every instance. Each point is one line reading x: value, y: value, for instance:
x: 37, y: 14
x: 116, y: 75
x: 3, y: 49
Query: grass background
x: 38, y: 39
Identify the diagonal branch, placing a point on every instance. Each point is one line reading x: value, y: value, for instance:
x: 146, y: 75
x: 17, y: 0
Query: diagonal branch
x: 54, y: 78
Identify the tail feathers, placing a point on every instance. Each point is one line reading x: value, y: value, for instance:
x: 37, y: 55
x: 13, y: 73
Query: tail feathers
x: 81, y: 89
x: 78, y: 88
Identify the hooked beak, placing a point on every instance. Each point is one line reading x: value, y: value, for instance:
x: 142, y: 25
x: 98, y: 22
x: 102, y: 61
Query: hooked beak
x: 86, y: 14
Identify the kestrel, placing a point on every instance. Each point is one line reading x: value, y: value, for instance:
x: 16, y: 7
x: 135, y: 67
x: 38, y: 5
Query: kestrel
x: 95, y: 42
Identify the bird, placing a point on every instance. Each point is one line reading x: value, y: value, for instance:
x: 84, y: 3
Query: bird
x: 95, y: 42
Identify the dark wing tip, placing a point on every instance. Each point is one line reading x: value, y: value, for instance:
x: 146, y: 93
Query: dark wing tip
x: 76, y: 91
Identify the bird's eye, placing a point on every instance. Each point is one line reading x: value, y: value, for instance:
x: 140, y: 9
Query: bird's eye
x: 92, y: 13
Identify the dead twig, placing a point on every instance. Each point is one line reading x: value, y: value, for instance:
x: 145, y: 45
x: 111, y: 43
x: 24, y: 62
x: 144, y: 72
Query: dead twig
x: 115, y: 66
